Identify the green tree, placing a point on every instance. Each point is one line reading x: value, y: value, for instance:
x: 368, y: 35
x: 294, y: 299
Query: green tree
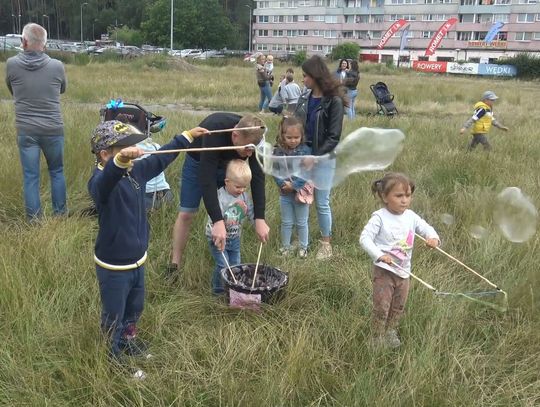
x: 201, y: 24
x: 347, y: 50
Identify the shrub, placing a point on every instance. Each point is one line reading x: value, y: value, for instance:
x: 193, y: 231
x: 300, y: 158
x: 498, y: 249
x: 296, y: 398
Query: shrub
x: 347, y: 50
x: 299, y: 58
x: 527, y: 65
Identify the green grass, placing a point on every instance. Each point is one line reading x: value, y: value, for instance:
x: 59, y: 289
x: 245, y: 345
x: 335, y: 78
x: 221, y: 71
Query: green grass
x: 311, y: 349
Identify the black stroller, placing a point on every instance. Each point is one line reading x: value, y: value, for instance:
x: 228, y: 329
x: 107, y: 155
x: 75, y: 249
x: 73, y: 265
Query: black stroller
x: 134, y: 114
x: 384, y: 99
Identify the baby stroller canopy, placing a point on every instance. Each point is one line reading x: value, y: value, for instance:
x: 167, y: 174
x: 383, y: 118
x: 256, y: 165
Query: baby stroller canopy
x: 134, y: 114
x: 384, y: 99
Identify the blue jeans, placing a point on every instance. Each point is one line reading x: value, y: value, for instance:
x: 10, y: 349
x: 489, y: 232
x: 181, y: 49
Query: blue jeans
x: 266, y: 96
x: 232, y: 252
x: 30, y: 147
x: 122, y: 301
x: 323, y: 174
x: 293, y: 213
x: 351, y: 95
x: 190, y: 190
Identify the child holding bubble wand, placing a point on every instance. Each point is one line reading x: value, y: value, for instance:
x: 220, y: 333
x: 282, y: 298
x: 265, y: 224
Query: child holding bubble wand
x: 388, y: 238
x: 295, y: 193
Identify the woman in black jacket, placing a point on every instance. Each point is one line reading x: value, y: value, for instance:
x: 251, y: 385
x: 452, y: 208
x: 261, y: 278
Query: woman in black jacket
x: 320, y: 109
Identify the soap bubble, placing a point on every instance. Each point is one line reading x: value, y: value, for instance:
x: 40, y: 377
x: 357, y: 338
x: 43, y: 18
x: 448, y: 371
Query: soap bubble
x: 515, y: 215
x: 478, y: 232
x: 447, y: 219
x: 365, y: 149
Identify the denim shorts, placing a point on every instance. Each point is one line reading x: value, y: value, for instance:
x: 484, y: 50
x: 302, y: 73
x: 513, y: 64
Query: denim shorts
x: 190, y: 189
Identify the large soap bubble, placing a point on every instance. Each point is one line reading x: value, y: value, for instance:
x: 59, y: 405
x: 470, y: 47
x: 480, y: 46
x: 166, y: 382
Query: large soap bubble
x: 478, y: 232
x: 515, y: 215
x: 365, y: 149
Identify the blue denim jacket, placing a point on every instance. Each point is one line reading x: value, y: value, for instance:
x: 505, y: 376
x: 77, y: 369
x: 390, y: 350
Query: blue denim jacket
x: 302, y: 149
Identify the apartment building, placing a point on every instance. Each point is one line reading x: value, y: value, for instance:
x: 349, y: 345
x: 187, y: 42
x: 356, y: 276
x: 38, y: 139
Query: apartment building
x: 317, y: 26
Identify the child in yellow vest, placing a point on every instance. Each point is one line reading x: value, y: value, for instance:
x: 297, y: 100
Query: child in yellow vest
x: 481, y: 120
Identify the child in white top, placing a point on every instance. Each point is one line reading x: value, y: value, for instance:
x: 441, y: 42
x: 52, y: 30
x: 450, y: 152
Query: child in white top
x: 388, y: 238
x: 269, y: 68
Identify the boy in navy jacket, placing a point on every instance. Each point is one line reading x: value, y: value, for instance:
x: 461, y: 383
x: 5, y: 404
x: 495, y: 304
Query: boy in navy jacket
x: 117, y: 187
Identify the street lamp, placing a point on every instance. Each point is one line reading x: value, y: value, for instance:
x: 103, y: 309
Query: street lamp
x: 250, y: 22
x: 172, y: 24
x: 93, y: 32
x: 82, y: 5
x: 48, y: 25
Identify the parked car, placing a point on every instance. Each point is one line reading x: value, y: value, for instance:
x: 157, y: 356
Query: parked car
x: 190, y: 53
x: 211, y: 53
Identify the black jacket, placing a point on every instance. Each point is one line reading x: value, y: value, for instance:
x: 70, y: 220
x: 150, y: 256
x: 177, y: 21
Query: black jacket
x: 329, y: 122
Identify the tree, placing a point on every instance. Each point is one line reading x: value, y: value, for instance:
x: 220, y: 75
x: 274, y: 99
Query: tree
x: 200, y: 24
x: 347, y: 50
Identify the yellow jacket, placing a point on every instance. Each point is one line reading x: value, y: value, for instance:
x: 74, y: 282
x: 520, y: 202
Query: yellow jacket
x: 482, y: 125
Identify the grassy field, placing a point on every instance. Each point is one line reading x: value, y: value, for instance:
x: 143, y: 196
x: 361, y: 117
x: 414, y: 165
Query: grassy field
x: 311, y: 349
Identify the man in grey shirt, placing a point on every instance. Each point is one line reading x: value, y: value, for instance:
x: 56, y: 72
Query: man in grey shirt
x: 36, y: 82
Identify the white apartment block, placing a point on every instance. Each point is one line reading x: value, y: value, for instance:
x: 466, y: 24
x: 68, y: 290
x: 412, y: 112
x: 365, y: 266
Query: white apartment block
x: 317, y: 26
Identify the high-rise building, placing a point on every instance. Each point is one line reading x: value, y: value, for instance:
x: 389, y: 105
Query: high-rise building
x: 317, y: 26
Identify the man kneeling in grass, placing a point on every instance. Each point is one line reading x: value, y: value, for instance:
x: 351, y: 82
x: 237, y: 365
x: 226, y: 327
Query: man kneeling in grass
x: 117, y: 187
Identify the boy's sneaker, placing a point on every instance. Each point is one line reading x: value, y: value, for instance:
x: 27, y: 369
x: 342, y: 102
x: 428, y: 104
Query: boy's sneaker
x: 392, y: 339
x: 377, y: 342
x: 302, y: 253
x: 284, y: 251
x: 325, y: 251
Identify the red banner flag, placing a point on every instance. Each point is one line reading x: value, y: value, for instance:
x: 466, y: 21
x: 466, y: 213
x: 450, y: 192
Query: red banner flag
x: 439, y: 35
x: 394, y: 28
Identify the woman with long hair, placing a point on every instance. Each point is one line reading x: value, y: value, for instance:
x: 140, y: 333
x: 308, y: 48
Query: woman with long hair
x: 351, y: 82
x: 320, y: 109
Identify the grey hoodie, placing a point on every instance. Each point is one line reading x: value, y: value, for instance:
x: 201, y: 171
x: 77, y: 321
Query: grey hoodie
x: 36, y: 81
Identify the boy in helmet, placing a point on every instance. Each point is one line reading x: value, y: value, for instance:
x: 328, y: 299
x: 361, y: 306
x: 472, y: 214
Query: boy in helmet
x: 482, y: 119
x: 117, y: 187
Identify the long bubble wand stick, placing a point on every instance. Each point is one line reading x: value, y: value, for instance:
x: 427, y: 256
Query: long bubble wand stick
x: 194, y: 150
x: 229, y: 267
x: 256, y: 266
x: 415, y: 277
x: 236, y: 129
x: 462, y: 264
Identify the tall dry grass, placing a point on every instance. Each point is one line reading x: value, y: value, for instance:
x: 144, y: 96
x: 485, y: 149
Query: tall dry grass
x: 311, y: 349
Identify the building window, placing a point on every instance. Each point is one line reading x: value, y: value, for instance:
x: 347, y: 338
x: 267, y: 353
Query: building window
x: 330, y: 34
x: 262, y: 47
x: 347, y: 34
x: 503, y: 18
x: 407, y: 17
x: 528, y: 1
x: 278, y: 47
x: 278, y: 19
x: 263, y: 33
x: 469, y: 2
x: 523, y: 36
x: 437, y: 1
x: 375, y: 35
x: 536, y: 36
x: 403, y: 2
x: 501, y: 2
x: 330, y: 19
x: 434, y: 17
x: 464, y: 36
x: 264, y: 4
x: 427, y: 34
x: 303, y: 33
x: 303, y: 18
x: 304, y: 3
x: 318, y: 33
x: 466, y: 18
x: 376, y: 18
x: 363, y: 35
x: 292, y: 33
x: 318, y: 18
x: 277, y: 33
x: 263, y: 19
x: 319, y: 3
x: 525, y: 18
x: 317, y: 48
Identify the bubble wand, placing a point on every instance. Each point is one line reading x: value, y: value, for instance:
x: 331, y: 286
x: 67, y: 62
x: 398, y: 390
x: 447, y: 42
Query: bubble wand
x: 195, y: 150
x: 256, y: 266
x: 229, y: 267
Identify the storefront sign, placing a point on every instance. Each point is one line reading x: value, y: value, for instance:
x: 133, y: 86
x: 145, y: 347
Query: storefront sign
x: 428, y: 66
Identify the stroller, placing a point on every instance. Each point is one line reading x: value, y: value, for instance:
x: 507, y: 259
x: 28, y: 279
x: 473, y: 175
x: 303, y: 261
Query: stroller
x: 384, y: 99
x: 134, y: 114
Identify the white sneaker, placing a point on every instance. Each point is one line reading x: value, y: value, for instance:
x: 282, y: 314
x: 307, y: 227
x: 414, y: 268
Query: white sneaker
x: 302, y: 253
x: 284, y: 251
x: 392, y: 339
x: 325, y: 251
